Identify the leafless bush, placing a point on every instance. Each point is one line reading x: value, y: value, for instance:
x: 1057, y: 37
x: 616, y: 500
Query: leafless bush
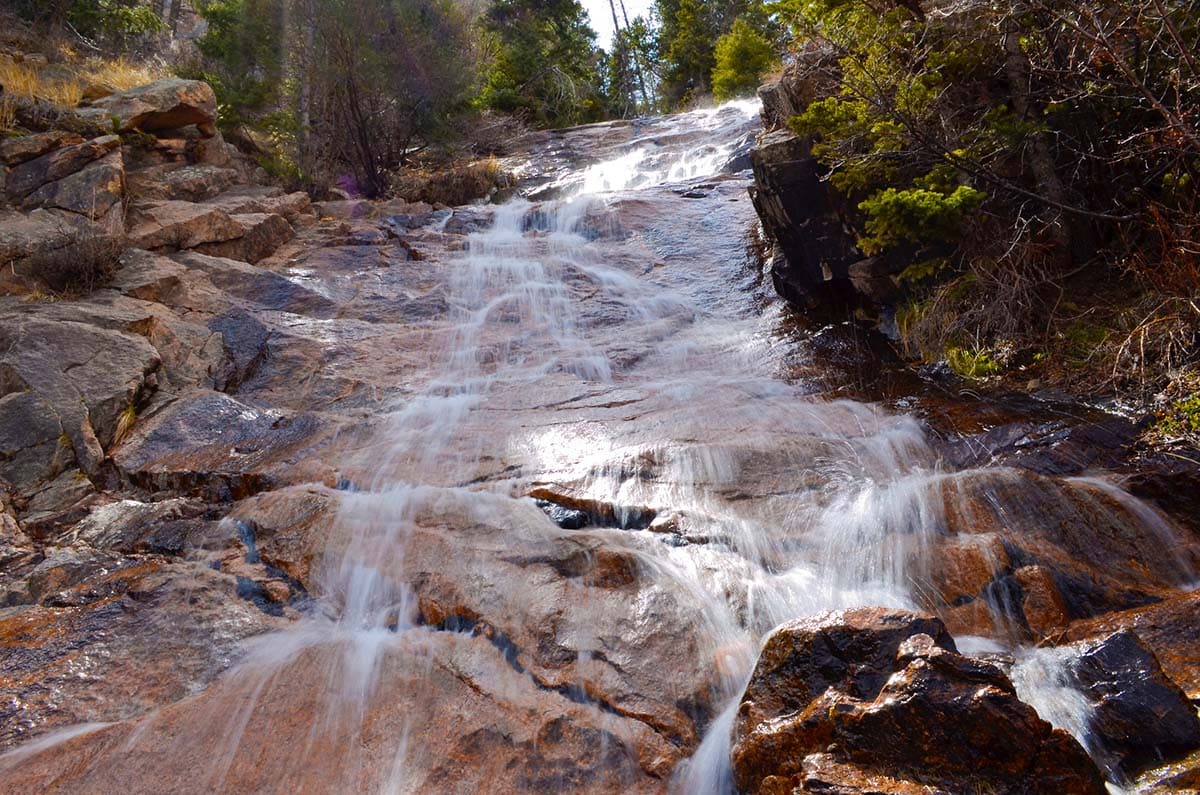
x: 451, y: 184
x: 81, y: 266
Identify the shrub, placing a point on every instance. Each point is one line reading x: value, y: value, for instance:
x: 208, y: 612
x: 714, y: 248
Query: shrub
x: 452, y: 185
x: 1013, y: 154
x: 79, y: 267
x: 915, y: 215
x: 1181, y: 419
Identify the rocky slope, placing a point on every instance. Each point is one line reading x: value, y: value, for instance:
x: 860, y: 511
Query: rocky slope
x: 254, y: 537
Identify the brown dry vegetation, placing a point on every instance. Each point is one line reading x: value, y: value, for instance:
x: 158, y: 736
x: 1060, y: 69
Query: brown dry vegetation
x: 66, y: 78
x: 83, y: 265
x: 451, y: 183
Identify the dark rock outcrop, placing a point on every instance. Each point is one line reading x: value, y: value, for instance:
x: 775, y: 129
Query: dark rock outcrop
x: 802, y: 215
x: 1141, y: 717
x: 56, y: 164
x: 21, y: 149
x: 876, y: 700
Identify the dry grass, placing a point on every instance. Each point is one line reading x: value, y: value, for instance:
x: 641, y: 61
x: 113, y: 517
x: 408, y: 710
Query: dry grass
x: 119, y: 74
x: 8, y: 114
x: 24, y: 81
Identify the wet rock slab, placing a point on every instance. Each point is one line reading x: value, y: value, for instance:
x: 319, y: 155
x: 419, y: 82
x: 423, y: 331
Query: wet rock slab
x: 77, y: 376
x: 209, y: 445
x: 118, y: 644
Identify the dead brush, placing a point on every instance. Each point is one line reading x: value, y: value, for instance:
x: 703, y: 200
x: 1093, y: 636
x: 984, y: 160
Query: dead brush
x: 1008, y: 297
x: 79, y: 267
x: 453, y: 185
x: 1169, y: 255
x: 1163, y: 343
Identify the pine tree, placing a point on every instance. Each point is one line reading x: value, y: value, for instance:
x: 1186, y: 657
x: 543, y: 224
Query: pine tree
x: 743, y: 56
x: 690, y: 55
x: 545, y: 65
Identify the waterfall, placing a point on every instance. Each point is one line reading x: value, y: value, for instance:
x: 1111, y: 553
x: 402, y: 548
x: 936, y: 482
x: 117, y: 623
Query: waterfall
x: 608, y: 346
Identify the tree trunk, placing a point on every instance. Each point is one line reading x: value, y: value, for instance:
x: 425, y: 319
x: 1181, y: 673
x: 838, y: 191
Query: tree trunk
x: 1071, y: 244
x: 637, y: 62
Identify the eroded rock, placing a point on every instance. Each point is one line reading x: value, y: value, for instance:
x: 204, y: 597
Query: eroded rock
x: 95, y: 191
x: 180, y: 224
x: 56, y: 164
x: 262, y: 234
x: 84, y: 377
x: 167, y: 104
x: 174, y: 182
x: 119, y: 637
x: 14, y: 151
x: 211, y: 446
x: 264, y: 199
x: 800, y: 211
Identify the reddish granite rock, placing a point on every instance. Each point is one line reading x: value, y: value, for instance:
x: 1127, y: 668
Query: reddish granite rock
x: 874, y: 700
x: 180, y: 224
x: 1170, y: 628
x: 57, y: 164
x: 175, y: 182
x: 262, y: 234
x: 1022, y: 555
x: 1140, y: 716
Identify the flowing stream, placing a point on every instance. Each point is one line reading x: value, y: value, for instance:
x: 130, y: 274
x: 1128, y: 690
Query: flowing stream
x: 806, y: 504
x: 610, y: 344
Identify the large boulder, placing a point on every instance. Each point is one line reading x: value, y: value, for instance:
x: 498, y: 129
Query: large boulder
x: 23, y: 234
x: 94, y: 192
x: 14, y: 151
x: 167, y: 104
x: 1022, y: 554
x: 87, y: 380
x: 183, y: 182
x: 800, y: 84
x: 876, y: 700
x: 1168, y: 627
x: 208, y: 445
x: 262, y: 234
x: 55, y: 165
x: 1140, y: 716
x: 264, y: 199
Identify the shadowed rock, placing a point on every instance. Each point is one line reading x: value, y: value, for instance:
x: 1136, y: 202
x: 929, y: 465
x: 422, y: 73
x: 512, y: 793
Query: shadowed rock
x: 1140, y: 716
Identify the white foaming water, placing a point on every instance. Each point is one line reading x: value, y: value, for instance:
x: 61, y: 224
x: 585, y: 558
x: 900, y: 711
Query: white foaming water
x: 651, y: 163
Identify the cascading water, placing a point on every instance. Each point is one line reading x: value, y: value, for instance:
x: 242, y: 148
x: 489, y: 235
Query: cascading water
x: 610, y: 346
